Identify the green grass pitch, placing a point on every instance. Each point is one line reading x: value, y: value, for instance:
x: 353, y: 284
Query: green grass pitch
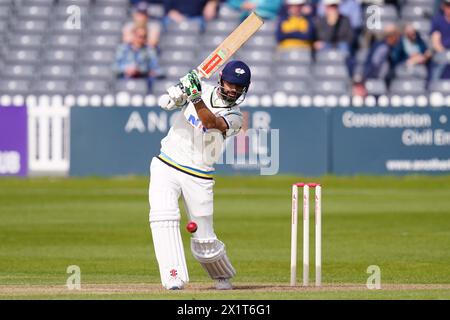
x: 401, y: 224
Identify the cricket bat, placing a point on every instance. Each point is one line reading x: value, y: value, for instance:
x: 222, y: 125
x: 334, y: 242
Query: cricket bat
x: 224, y: 51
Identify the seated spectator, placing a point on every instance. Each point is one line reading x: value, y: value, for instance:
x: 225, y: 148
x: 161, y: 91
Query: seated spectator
x: 380, y: 62
x: 267, y: 9
x: 294, y: 29
x: 141, y: 19
x: 353, y: 11
x: 137, y: 59
x: 440, y: 41
x: 411, y: 49
x: 177, y: 11
x: 333, y: 30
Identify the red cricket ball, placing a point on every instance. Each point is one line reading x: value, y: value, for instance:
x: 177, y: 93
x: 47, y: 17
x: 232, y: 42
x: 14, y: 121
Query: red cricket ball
x: 191, y: 227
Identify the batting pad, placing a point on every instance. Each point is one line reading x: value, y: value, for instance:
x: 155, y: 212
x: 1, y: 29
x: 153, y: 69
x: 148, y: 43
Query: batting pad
x: 213, y: 258
x: 169, y: 250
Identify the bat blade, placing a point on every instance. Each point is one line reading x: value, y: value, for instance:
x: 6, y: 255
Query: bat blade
x: 227, y: 48
x: 230, y: 45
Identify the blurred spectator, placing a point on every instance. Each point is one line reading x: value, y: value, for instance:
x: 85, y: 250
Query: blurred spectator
x: 411, y: 48
x: 352, y: 10
x: 137, y: 59
x: 381, y: 62
x: 200, y: 10
x: 267, y: 9
x: 141, y: 19
x: 294, y: 29
x: 333, y: 29
x: 440, y: 41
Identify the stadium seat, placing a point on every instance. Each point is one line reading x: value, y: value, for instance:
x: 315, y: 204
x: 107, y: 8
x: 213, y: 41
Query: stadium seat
x: 62, y: 12
x: 442, y: 86
x: 105, y: 27
x: 156, y: 10
x: 18, y: 71
x: 260, y: 42
x: 81, y: 3
x: 25, y: 41
x: 292, y: 72
x: 186, y: 27
x: 210, y: 43
x: 376, y: 87
x: 34, y: 12
x: 178, y: 57
x: 260, y: 72
x: 62, y: 27
x: 330, y: 87
x: 44, y: 3
x: 5, y: 12
x: 412, y: 13
x: 330, y: 57
x: 330, y: 72
x: 110, y: 13
x: 56, y: 72
x: 50, y: 87
x: 255, y: 56
x: 113, y: 3
x: 3, y: 26
x: 22, y: 56
x: 220, y: 27
x: 294, y: 56
x: 14, y: 86
x: 91, y: 87
x: 269, y: 28
x: 421, y: 3
x: 58, y: 42
x: 423, y: 27
x: 59, y: 56
x: 101, y: 42
x: 94, y: 72
x: 260, y: 87
x: 179, y: 42
x: 176, y: 71
x: 297, y: 87
x: 29, y: 26
x: 99, y: 56
x: 407, y: 87
x: 160, y: 86
x: 404, y: 71
x: 227, y: 13
x: 139, y: 86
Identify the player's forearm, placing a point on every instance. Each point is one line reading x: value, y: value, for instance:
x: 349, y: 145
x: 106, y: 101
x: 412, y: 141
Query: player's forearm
x: 209, y: 119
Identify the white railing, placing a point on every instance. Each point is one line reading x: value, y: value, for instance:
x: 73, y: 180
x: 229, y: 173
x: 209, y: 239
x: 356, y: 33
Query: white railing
x: 48, y: 137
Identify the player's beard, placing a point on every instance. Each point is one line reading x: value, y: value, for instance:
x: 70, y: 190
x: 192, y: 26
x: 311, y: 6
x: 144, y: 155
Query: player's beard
x: 227, y: 99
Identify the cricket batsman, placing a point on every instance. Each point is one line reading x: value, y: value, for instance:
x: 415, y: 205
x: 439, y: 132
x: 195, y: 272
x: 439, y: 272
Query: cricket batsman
x: 185, y: 167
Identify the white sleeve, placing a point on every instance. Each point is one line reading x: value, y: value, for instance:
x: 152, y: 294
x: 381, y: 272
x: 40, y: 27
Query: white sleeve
x: 234, y: 120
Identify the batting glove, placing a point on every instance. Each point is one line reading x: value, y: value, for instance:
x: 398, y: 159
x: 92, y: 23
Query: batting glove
x: 192, y: 86
x: 177, y: 95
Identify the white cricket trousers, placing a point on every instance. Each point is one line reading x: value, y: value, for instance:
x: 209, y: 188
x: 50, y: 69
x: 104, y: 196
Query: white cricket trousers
x: 167, y: 184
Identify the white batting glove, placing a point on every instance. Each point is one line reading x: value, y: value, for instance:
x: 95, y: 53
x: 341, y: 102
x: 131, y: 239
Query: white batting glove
x: 177, y: 95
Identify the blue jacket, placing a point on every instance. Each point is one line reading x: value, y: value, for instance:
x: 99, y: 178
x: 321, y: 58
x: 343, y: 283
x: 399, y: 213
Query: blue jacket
x: 267, y: 9
x: 399, y: 53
